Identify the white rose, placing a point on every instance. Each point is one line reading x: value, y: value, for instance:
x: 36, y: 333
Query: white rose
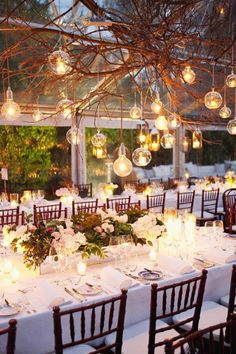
x: 25, y: 237
x: 68, y: 223
x: 5, y: 230
x: 21, y: 229
x: 123, y: 218
x: 81, y: 238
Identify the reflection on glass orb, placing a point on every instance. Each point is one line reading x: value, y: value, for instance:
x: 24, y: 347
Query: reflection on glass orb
x: 167, y: 141
x: 197, y: 139
x: 141, y: 156
x: 225, y: 112
x: 122, y: 166
x: 231, y: 126
x: 213, y: 99
x: 37, y: 115
x: 231, y: 80
x: 156, y: 106
x: 98, y: 139
x: 73, y: 135
x: 10, y: 109
x: 186, y: 144
x: 65, y: 109
x: 59, y: 62
x: 161, y: 122
x: 135, y: 112
x: 174, y: 121
x: 154, y: 140
x: 100, y: 152
x: 188, y: 75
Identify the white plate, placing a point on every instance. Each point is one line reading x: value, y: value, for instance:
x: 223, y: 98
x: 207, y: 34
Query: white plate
x: 87, y: 290
x: 8, y: 311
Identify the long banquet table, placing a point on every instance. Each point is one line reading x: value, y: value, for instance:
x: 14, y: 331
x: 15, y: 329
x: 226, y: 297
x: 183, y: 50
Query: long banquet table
x: 35, y: 330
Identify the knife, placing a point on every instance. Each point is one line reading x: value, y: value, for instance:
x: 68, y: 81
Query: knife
x: 75, y: 296
x: 79, y: 295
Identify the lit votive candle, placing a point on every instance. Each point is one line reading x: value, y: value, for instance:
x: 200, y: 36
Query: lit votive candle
x: 13, y: 203
x: 7, y: 266
x: 153, y: 254
x: 81, y: 267
x: 15, y: 275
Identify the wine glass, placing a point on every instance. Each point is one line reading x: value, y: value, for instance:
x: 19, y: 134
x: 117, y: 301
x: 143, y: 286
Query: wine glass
x: 218, y: 232
x: 114, y: 248
x: 126, y: 244
x: 208, y: 231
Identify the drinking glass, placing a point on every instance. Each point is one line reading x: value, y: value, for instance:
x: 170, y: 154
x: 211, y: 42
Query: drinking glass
x: 126, y: 245
x: 40, y: 194
x: 218, y: 232
x: 14, y: 199
x: 114, y: 248
x: 208, y: 231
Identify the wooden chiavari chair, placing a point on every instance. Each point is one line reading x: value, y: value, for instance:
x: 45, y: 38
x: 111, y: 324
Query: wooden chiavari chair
x: 49, y: 212
x: 85, y: 190
x: 208, y: 206
x: 166, y: 301
x: 203, y: 341
x: 100, y: 318
x: 185, y: 201
x: 10, y: 331
x: 155, y: 180
x: 156, y: 202
x: 229, y: 200
x: 89, y: 207
x: 112, y: 203
x: 11, y: 217
x: 173, y: 182
x: 132, y: 206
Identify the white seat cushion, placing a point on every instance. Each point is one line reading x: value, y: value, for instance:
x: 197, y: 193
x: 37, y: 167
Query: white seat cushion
x: 79, y: 349
x: 224, y: 300
x: 206, y: 215
x: 135, y: 338
x: 211, y: 314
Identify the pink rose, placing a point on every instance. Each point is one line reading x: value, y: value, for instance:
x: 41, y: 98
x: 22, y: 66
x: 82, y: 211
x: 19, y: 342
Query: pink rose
x: 103, y: 234
x: 31, y: 227
x: 56, y: 235
x: 98, y: 229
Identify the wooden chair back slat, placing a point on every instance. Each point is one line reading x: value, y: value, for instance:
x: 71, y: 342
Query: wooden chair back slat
x: 85, y: 190
x: 209, y: 201
x: 48, y: 212
x: 10, y: 331
x: 156, y: 202
x: 88, y: 207
x: 72, y: 328
x: 121, y: 207
x: 185, y: 201
x: 97, y: 330
x: 11, y: 217
x: 113, y: 203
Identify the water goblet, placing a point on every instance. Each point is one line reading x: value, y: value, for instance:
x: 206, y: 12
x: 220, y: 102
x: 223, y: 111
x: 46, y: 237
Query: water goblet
x: 218, y: 232
x: 114, y: 248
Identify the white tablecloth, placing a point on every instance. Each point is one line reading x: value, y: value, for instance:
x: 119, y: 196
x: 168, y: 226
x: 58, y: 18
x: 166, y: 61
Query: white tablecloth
x: 35, y: 331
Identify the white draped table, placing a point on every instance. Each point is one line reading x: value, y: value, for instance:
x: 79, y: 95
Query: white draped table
x: 35, y: 330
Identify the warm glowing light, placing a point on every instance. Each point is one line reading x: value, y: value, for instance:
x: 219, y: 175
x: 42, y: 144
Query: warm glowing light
x: 231, y: 126
x: 188, y: 75
x: 10, y: 110
x: 168, y: 141
x: 98, y: 139
x: 197, y: 139
x: 135, y: 112
x: 186, y: 144
x: 100, y: 152
x: 141, y: 156
x: 60, y: 62
x: 73, y: 135
x: 213, y: 99
x: 81, y: 267
x: 161, y: 122
x: 65, y: 109
x: 225, y: 112
x: 37, y: 115
x: 231, y: 79
x: 173, y: 121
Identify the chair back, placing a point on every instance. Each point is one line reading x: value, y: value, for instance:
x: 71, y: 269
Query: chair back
x: 112, y: 203
x: 209, y: 201
x: 202, y: 342
x: 95, y: 321
x: 232, y: 292
x: 120, y: 207
x: 85, y: 190
x: 155, y: 180
x: 173, y: 182
x: 156, y: 201
x: 175, y: 299
x: 89, y: 207
x: 11, y: 217
x: 10, y: 331
x: 185, y: 201
x: 229, y: 201
x: 48, y: 212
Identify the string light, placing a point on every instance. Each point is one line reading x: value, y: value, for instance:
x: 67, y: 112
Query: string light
x: 10, y: 109
x: 173, y: 121
x: 168, y: 141
x: 59, y: 62
x: 197, y: 139
x: 156, y: 105
x: 161, y: 122
x: 122, y: 166
x: 98, y: 139
x: 65, y: 109
x: 188, y: 75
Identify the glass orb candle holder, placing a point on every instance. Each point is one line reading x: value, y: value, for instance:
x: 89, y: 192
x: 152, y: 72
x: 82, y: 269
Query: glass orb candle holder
x: 225, y: 112
x: 156, y: 105
x: 10, y: 109
x: 168, y: 141
x: 37, y: 115
x: 161, y: 122
x: 141, y: 157
x: 213, y: 99
x: 65, y: 109
x: 59, y: 62
x: 135, y: 112
x: 188, y: 75
x: 100, y: 152
x: 122, y: 166
x: 186, y: 144
x: 197, y: 139
x: 173, y: 122
x: 231, y: 126
x: 231, y: 80
x: 154, y: 142
x: 98, y: 139
x: 73, y: 135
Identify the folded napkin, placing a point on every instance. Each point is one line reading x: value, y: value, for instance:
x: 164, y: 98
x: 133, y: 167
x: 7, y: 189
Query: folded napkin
x: 115, y: 279
x: 59, y: 301
x: 219, y: 256
x: 174, y: 265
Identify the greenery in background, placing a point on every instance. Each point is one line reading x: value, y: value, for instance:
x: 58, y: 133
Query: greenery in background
x: 36, y: 157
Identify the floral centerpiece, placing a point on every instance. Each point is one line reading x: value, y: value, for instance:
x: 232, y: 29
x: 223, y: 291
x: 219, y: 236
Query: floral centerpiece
x: 230, y: 179
x: 148, y: 228
x: 105, y: 190
x: 66, y: 195
x: 35, y: 243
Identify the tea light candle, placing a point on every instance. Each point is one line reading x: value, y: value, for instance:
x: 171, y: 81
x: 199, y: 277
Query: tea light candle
x: 81, y: 267
x: 7, y: 266
x: 15, y: 275
x: 153, y: 254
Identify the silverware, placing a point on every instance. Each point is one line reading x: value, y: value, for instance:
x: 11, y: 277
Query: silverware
x: 80, y: 295
x: 75, y: 296
x: 205, y: 262
x: 97, y: 287
x: 153, y: 271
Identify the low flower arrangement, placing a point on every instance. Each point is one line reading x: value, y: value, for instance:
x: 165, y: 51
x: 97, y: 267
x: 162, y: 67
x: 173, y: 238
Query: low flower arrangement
x: 35, y: 243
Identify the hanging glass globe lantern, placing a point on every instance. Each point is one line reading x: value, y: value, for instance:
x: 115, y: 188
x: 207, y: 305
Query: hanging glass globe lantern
x: 188, y: 75
x: 186, y: 144
x: 135, y: 112
x: 65, y: 109
x: 141, y: 157
x: 161, y: 122
x: 122, y: 166
x: 225, y: 112
x: 231, y: 126
x: 173, y: 121
x: 59, y: 62
x: 156, y: 105
x: 98, y: 139
x: 100, y: 152
x: 231, y: 79
x: 10, y: 110
x: 213, y: 99
x: 154, y: 140
x: 37, y: 115
x: 73, y: 135
x: 168, y: 141
x: 197, y: 139
x: 142, y: 133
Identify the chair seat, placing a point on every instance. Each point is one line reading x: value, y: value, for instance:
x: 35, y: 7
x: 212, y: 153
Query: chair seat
x: 224, y: 300
x: 206, y: 215
x: 79, y: 349
x: 135, y: 338
x: 211, y: 313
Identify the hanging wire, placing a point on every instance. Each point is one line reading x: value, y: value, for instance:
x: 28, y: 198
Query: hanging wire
x: 121, y: 120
